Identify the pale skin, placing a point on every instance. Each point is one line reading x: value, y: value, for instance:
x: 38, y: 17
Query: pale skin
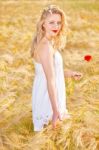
x: 45, y: 52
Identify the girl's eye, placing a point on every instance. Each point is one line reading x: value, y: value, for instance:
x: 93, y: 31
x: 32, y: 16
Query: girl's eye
x: 59, y: 23
x: 51, y: 22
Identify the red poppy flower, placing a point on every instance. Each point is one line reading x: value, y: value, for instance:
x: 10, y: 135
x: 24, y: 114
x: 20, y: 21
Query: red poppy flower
x: 88, y: 57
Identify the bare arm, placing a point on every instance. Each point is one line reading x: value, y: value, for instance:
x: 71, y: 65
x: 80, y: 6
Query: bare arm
x: 46, y: 58
x: 75, y: 74
x: 68, y: 73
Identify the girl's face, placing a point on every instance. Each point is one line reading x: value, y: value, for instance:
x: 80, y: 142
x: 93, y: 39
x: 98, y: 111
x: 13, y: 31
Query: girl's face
x: 52, y: 25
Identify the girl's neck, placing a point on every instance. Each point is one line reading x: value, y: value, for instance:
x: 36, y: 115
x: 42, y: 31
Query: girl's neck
x: 51, y: 41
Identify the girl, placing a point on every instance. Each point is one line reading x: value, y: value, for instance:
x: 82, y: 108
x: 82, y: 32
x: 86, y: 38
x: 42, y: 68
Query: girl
x: 48, y: 93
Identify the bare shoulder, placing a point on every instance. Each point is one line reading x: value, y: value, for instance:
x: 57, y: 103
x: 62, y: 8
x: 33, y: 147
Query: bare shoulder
x: 44, y: 46
x: 46, y: 59
x: 44, y: 49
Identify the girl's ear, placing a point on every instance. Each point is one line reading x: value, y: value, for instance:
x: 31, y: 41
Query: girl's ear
x: 43, y: 26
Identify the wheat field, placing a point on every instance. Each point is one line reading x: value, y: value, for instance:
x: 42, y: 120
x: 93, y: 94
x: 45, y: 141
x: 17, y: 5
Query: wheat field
x: 17, y: 26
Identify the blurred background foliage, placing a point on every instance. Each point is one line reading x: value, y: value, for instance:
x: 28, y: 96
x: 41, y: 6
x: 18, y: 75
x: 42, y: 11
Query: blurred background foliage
x: 17, y: 26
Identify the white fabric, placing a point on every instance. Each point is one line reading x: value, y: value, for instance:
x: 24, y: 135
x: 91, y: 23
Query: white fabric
x: 41, y: 105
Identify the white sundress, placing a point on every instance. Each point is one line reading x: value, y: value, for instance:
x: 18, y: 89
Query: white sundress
x: 41, y: 105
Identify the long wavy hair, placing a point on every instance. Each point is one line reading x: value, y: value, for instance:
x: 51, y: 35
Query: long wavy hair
x: 61, y: 38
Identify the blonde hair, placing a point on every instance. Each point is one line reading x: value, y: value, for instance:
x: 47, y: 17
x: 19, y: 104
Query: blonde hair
x: 60, y: 39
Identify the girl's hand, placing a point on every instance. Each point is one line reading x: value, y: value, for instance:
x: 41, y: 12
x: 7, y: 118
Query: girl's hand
x: 76, y: 75
x: 55, y: 117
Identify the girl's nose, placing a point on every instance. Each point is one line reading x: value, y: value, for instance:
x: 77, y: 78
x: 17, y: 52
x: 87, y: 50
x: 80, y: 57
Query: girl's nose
x: 56, y: 26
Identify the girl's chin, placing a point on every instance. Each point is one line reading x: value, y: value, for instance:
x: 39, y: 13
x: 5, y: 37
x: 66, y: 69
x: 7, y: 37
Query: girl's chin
x: 54, y: 34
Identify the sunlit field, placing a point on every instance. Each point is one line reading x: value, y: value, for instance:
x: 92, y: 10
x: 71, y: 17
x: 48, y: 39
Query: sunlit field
x: 17, y: 26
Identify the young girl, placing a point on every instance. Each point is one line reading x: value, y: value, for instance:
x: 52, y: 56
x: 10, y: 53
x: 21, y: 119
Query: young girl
x: 49, y: 93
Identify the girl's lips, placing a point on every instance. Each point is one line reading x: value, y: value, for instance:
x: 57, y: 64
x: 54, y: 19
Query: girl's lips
x: 55, y: 31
